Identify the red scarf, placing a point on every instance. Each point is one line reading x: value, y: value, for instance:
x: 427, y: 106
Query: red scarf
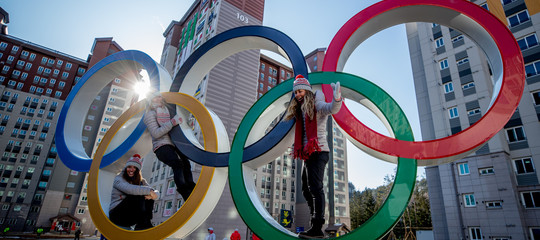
x: 311, y: 134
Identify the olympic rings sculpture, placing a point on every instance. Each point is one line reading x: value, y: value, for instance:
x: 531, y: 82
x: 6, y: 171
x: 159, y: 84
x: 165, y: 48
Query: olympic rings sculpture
x: 251, y: 148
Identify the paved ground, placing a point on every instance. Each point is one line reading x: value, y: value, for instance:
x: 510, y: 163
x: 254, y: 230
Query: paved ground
x: 46, y: 236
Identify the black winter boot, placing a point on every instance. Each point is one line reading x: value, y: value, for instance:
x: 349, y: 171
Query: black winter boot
x: 315, y: 231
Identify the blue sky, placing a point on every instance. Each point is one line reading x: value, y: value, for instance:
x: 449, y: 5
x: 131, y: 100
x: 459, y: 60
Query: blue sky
x: 71, y: 26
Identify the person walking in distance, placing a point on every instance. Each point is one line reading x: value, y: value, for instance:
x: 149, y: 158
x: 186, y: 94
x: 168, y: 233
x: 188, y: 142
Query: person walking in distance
x: 311, y: 113
x: 235, y: 235
x: 211, y: 235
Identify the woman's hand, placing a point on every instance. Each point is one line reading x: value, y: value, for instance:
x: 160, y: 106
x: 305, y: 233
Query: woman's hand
x: 337, y: 91
x: 153, y: 195
x: 176, y: 120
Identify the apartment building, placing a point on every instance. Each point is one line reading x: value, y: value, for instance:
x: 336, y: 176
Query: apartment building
x: 493, y: 193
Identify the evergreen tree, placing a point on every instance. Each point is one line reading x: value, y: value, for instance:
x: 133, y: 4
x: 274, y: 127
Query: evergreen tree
x: 364, y: 204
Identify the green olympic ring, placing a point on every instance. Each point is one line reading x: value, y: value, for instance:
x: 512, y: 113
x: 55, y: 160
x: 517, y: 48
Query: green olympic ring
x: 377, y: 226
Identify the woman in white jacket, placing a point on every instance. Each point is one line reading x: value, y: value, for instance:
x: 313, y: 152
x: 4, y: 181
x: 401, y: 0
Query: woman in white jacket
x: 159, y: 122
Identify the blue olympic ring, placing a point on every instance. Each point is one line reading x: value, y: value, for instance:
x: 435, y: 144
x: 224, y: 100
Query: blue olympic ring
x: 268, y: 141
x: 79, y: 100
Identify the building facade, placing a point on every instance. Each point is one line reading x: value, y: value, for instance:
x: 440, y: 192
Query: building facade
x: 493, y: 193
x: 35, y: 82
x: 229, y: 89
x: 40, y: 191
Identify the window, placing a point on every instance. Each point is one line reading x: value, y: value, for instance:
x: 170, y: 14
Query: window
x: 528, y: 41
x: 532, y: 69
x: 32, y: 56
x: 494, y: 204
x: 3, y: 46
x: 536, y: 98
x: 68, y: 66
x: 462, y: 61
x: 5, y: 69
x: 453, y: 112
x: 70, y: 185
x: 515, y: 134
x: 65, y: 75
x: 20, y: 63
x: 473, y: 111
x: 439, y: 42
x: 38, y: 196
x: 475, y: 233
x: 467, y: 85
x: 505, y: 2
x: 17, y: 208
x: 524, y: 165
x: 117, y: 80
x: 10, y: 59
x: 50, y: 161
x: 16, y: 73
x: 171, y: 188
x: 14, y: 49
x: 486, y: 171
x: 167, y: 211
x: 443, y: 64
x: 58, y: 94
x: 463, y: 168
x: 80, y: 211
x: 535, y: 233
x: 262, y: 66
x: 42, y: 184
x: 448, y: 87
x: 518, y: 18
x: 531, y: 199
x: 44, y: 60
x: 28, y: 66
x: 469, y: 200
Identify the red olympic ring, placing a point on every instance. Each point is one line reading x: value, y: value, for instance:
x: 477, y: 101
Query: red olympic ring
x: 391, y: 12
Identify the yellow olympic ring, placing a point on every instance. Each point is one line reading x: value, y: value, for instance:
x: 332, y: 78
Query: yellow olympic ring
x: 200, y: 203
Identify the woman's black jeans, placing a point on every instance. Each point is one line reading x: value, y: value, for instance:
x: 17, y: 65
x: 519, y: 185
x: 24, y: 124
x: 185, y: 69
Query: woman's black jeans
x: 183, y: 178
x: 133, y: 210
x: 312, y: 183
